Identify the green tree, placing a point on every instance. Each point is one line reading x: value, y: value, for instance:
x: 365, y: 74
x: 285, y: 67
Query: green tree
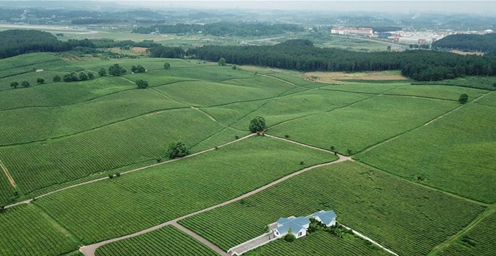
x: 117, y: 70
x: 102, y: 72
x: 138, y: 69
x: 234, y: 67
x: 167, y: 65
x: 71, y: 77
x: 142, y: 84
x: 257, y: 124
x: 83, y: 76
x: 177, y: 149
x: 289, y: 237
x: 463, y: 98
x: 91, y: 76
x: 14, y: 85
x: 25, y: 84
x: 57, y: 78
x: 40, y: 80
x: 222, y: 62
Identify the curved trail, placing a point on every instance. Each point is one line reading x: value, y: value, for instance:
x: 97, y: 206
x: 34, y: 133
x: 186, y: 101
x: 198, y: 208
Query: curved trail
x: 91, y: 249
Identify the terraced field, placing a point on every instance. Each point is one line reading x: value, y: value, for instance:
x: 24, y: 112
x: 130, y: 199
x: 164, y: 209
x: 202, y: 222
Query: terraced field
x: 459, y: 146
x: 137, y: 201
x: 168, y: 241
x: 407, y: 218
x: 26, y: 231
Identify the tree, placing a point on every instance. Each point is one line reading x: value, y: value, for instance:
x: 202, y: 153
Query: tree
x: 142, y: 84
x: 389, y: 48
x: 57, y: 78
x: 463, y: 98
x: 257, y: 124
x: 91, y: 76
x: 222, y: 62
x: 102, y: 72
x: 117, y: 70
x: 234, y: 67
x: 71, y: 77
x: 289, y: 237
x: 167, y: 65
x: 138, y: 69
x: 40, y: 80
x: 83, y: 76
x: 25, y: 84
x: 14, y: 85
x: 177, y: 149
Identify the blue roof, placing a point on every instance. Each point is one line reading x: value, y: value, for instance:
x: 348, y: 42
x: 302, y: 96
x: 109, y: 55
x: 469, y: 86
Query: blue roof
x: 325, y: 216
x: 296, y: 224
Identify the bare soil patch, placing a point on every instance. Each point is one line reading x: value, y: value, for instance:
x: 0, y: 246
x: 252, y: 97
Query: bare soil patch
x: 139, y: 49
x: 467, y: 53
x: 335, y: 77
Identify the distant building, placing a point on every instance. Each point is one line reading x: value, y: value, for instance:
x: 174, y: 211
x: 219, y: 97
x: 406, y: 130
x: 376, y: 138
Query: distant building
x: 352, y: 31
x: 421, y: 41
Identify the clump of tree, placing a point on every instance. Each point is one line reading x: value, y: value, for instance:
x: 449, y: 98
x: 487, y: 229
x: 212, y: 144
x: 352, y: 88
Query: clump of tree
x: 257, y: 124
x: 167, y: 66
x: 117, y: 70
x: 463, y: 98
x: 74, y: 77
x: 57, y: 78
x: 25, y: 84
x: 70, y: 77
x: 102, y: 72
x: 138, y: 69
x: 14, y: 85
x: 177, y: 149
x: 40, y: 80
x: 142, y: 84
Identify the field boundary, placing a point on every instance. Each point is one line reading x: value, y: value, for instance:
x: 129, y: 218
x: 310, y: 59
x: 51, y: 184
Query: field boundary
x: 7, y: 173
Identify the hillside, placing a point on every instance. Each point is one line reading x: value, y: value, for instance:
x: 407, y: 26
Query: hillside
x: 470, y: 43
x: 88, y: 161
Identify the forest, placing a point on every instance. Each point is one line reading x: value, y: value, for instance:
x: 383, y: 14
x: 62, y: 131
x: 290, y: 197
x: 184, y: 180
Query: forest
x: 222, y: 29
x: 16, y: 42
x: 301, y: 55
x: 480, y: 43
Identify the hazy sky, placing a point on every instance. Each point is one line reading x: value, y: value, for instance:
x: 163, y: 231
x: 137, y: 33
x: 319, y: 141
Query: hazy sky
x: 488, y: 6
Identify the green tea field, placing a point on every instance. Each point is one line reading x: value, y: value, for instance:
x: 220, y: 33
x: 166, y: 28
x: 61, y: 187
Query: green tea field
x: 89, y: 167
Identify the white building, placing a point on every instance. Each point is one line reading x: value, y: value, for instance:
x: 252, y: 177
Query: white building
x: 327, y: 218
x: 297, y: 226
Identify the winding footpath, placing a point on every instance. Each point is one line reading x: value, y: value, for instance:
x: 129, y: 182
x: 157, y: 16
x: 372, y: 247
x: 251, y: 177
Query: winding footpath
x: 91, y: 249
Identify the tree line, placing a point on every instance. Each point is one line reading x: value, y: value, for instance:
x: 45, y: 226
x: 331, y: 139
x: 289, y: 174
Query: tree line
x: 222, y: 29
x: 301, y: 55
x: 16, y: 42
x: 480, y: 43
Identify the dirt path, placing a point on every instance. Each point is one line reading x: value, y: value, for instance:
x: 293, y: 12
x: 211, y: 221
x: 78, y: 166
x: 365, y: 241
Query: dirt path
x: 127, y: 172
x: 488, y: 212
x: 205, y: 113
x: 199, y: 238
x: 7, y: 173
x: 370, y: 240
x: 90, y: 249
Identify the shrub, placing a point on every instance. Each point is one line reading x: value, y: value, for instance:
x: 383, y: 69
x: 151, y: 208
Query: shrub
x: 236, y: 136
x: 234, y: 67
x: 167, y: 65
x: 257, y: 124
x: 40, y: 80
x: 118, y: 174
x: 138, y: 69
x: 25, y: 84
x: 333, y: 148
x: 222, y: 62
x: 289, y: 237
x: 302, y: 162
x: 83, y: 76
x: 286, y: 136
x: 57, y: 78
x: 177, y: 149
x: 142, y: 84
x: 463, y: 98
x: 102, y: 72
x: 91, y: 76
x: 14, y: 85
x: 349, y: 151
x: 110, y: 176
